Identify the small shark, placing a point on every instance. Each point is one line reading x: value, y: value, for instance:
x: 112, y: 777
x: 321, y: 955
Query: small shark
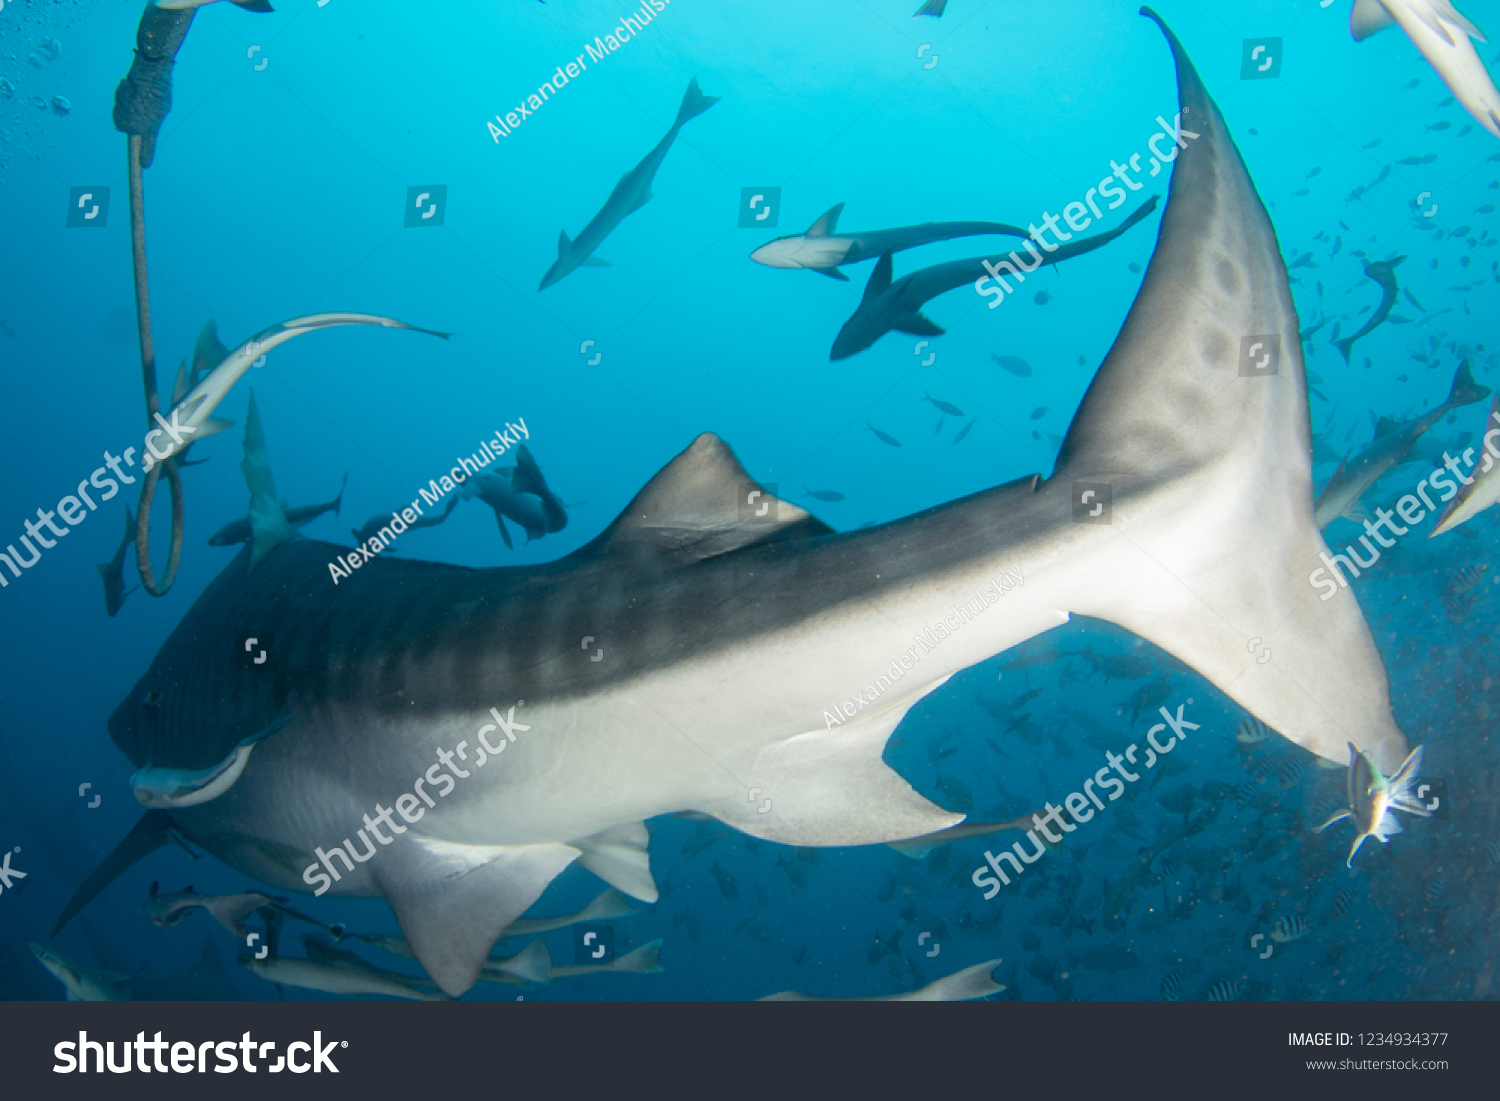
x: 727, y: 634
x: 335, y: 971
x: 519, y: 493
x: 1384, y: 273
x: 961, y: 986
x: 630, y: 194
x: 897, y: 305
x: 375, y: 523
x: 193, y: 415
x: 248, y: 5
x: 1373, y: 800
x: 1484, y: 488
x: 1442, y: 35
x: 83, y: 984
x: 823, y: 249
x: 1393, y: 444
x: 237, y: 531
x: 113, y: 571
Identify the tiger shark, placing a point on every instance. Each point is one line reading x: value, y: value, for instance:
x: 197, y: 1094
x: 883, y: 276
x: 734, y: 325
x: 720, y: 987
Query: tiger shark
x: 822, y: 248
x: 897, y: 305
x: 630, y: 194
x: 438, y: 737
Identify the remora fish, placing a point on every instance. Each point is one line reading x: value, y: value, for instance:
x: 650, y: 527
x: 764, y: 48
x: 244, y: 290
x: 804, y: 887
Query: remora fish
x: 1442, y: 35
x: 1373, y: 800
x: 230, y: 911
x: 821, y: 248
x: 897, y: 305
x: 334, y: 971
x: 195, y: 411
x: 630, y: 194
x: 82, y: 984
x: 519, y: 493
x: 645, y: 960
x: 237, y: 531
x: 961, y: 986
x: 375, y: 523
x: 1484, y: 488
x: 113, y: 571
x: 701, y: 611
x: 1384, y: 273
x: 1393, y: 444
x: 919, y: 847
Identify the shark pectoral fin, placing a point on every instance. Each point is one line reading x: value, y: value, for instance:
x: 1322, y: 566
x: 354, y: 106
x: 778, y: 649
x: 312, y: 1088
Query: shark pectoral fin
x: 703, y: 504
x: 212, y: 427
x: 145, y: 837
x: 827, y: 224
x: 880, y: 278
x: 453, y: 900
x: 596, y: 262
x: 1369, y: 17
x: 504, y: 532
x: 564, y: 246
x: 1212, y: 539
x: 830, y: 787
x: 180, y: 386
x: 918, y: 324
x: 268, y: 526
x: 620, y: 857
x: 832, y: 273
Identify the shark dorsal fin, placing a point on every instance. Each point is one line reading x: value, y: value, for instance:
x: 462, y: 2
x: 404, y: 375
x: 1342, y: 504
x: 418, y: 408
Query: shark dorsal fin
x: 702, y: 504
x: 1383, y: 426
x: 827, y: 224
x: 880, y: 278
x: 208, y: 351
x: 564, y: 246
x: 268, y: 526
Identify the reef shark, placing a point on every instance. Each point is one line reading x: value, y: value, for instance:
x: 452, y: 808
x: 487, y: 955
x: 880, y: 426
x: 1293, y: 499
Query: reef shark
x: 192, y: 416
x: 1483, y: 489
x: 521, y: 494
x: 630, y: 194
x: 237, y: 531
x: 1442, y: 35
x: 897, y: 305
x: 821, y: 248
x: 1384, y: 273
x: 723, y: 635
x: 1373, y: 800
x: 961, y: 986
x: 1394, y: 443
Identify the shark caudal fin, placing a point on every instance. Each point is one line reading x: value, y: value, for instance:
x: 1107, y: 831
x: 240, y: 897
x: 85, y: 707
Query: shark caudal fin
x: 1465, y: 391
x: 694, y: 103
x: 1197, y: 424
x: 268, y: 526
x: 528, y: 479
x: 1344, y: 345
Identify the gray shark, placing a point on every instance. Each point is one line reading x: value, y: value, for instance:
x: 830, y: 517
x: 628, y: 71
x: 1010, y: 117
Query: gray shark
x: 821, y: 248
x: 237, y: 531
x: 897, y: 305
x: 1373, y: 800
x: 961, y: 986
x: 460, y: 700
x: 630, y: 194
x: 521, y: 494
x: 1384, y: 273
x: 1393, y: 444
x: 1483, y: 489
x: 113, y: 571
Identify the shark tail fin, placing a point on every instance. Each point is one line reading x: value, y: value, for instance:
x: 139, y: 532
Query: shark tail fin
x: 145, y: 837
x: 1344, y: 346
x: 827, y: 224
x: 1212, y: 533
x: 1465, y: 390
x: 529, y: 479
x: 268, y: 524
x: 694, y: 103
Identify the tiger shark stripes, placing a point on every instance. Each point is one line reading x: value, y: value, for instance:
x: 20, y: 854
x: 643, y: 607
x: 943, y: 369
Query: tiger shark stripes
x: 725, y: 633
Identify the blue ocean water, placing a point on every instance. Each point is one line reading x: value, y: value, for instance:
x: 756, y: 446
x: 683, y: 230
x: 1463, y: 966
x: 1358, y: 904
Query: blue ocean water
x: 280, y: 190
